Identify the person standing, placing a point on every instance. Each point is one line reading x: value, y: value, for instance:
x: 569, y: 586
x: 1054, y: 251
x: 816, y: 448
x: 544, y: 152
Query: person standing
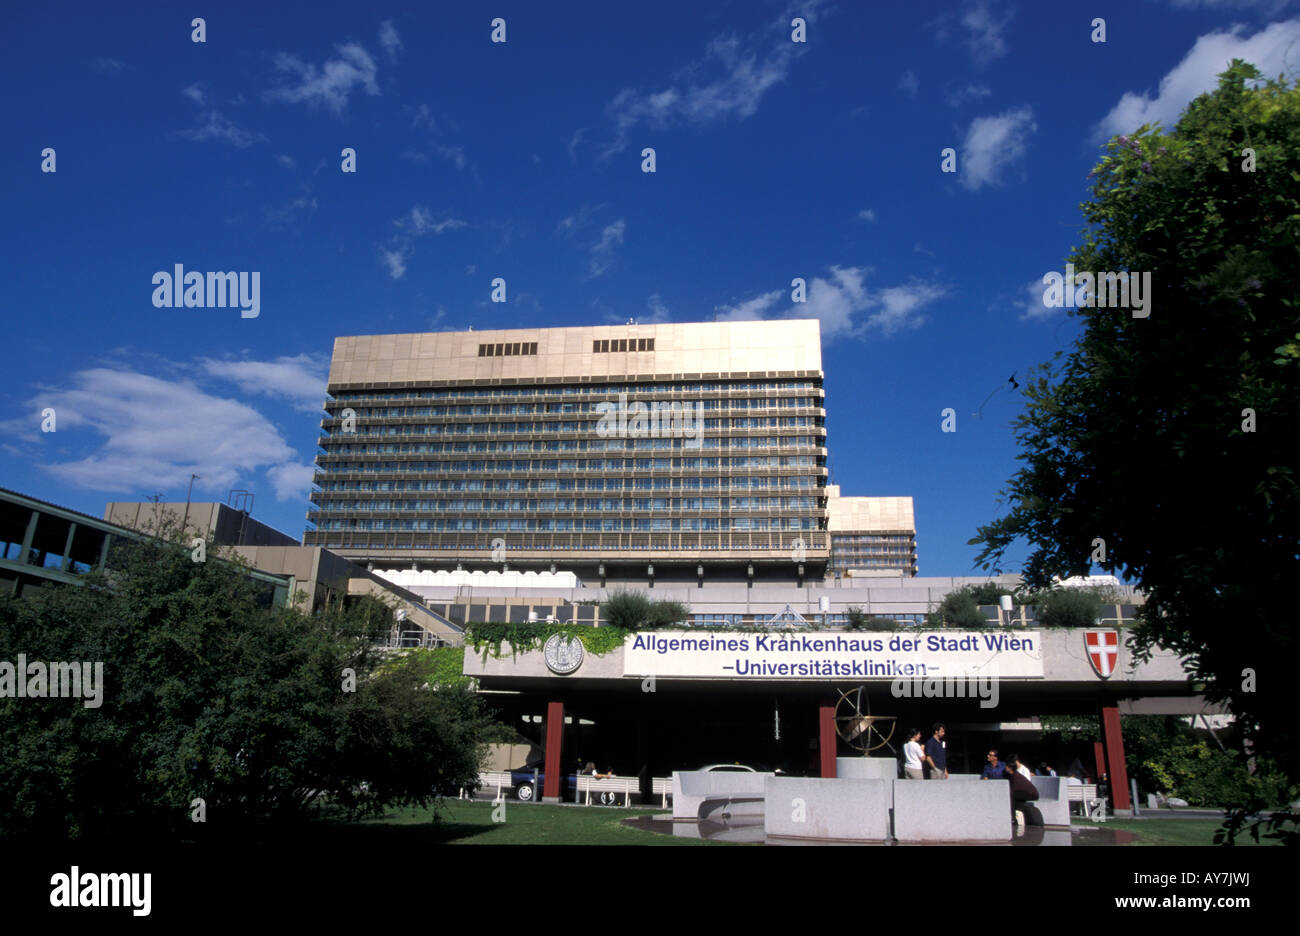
x: 936, y: 753
x: 913, y: 755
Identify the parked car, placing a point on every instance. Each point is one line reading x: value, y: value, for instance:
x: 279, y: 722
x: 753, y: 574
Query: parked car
x: 729, y: 767
x: 521, y: 780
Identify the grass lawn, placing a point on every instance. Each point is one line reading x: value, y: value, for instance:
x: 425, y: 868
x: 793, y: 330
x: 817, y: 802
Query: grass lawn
x: 1172, y: 831
x: 465, y: 823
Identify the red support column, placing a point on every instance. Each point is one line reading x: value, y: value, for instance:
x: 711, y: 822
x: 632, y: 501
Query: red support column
x: 554, y: 742
x: 1111, y: 731
x: 826, y: 742
x: 1099, y: 756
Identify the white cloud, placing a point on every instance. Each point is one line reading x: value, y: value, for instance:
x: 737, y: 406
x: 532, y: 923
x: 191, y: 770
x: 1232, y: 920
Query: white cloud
x: 213, y: 126
x: 900, y: 307
x: 395, y: 260
x: 602, y: 252
x: 844, y: 306
x: 755, y: 308
x: 454, y: 154
x: 195, y: 93
x: 909, y: 83
x: 417, y: 223
x: 108, y: 66
x: 983, y: 32
x: 329, y: 85
x: 1031, y: 299
x: 574, y: 143
x: 156, y: 432
x: 389, y: 39
x: 866, y: 214
x: 658, y: 312
x: 1267, y: 7
x: 291, y: 482
x: 579, y: 219
x: 423, y: 116
x: 285, y: 160
x: 300, y: 379
x: 972, y: 92
x: 1198, y: 72
x: 420, y: 222
x: 992, y: 144
x: 736, y: 73
x: 292, y: 212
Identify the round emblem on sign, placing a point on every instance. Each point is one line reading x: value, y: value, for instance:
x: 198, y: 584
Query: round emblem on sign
x: 563, y: 653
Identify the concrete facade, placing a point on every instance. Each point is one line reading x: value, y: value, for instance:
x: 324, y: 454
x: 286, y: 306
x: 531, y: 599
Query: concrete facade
x: 942, y: 811
x: 827, y: 810
x: 221, y: 523
x: 496, y: 449
x: 870, y: 535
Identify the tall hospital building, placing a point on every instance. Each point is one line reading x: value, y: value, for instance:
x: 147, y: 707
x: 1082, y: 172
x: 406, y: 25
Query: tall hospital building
x: 629, y: 454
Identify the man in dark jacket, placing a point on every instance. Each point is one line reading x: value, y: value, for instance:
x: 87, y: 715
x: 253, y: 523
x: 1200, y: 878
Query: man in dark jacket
x: 1022, y: 789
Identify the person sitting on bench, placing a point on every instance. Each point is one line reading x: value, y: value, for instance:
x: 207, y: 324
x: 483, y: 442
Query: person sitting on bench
x: 1022, y: 790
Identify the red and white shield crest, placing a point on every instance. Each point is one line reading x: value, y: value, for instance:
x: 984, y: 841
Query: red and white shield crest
x: 1103, y: 650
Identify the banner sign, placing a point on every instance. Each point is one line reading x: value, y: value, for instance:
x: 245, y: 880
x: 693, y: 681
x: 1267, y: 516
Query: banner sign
x: 834, y: 656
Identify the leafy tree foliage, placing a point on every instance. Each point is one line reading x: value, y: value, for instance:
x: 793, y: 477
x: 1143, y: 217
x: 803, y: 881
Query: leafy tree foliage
x: 1141, y: 434
x: 857, y: 619
x: 633, y: 610
x: 210, y: 694
x: 1068, y: 607
x: 958, y: 609
x: 1164, y: 754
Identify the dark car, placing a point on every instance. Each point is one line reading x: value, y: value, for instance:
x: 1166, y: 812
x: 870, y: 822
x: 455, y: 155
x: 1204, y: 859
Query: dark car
x: 521, y: 780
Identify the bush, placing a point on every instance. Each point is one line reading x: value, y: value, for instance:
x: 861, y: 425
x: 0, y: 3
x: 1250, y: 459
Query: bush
x: 860, y: 620
x: 958, y: 609
x: 1068, y: 607
x: 633, y: 610
x: 1166, y: 755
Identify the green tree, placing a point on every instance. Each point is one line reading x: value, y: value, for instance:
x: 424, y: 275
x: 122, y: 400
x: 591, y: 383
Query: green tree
x: 633, y: 610
x: 208, y: 693
x: 958, y: 609
x: 1068, y: 607
x: 1171, y: 438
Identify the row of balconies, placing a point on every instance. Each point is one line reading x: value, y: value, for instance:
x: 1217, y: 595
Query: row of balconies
x: 552, y: 393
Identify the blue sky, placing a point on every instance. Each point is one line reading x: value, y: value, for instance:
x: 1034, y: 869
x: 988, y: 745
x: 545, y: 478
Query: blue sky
x: 522, y: 160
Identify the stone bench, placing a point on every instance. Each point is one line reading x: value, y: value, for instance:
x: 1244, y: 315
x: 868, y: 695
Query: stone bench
x: 941, y: 811
x: 839, y: 809
x: 1052, y: 804
x: 700, y: 794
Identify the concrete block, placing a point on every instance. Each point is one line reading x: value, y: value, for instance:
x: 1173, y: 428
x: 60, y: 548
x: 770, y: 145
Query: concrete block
x: 1052, y: 802
x: 939, y: 811
x: 840, y: 809
x: 698, y: 794
x: 866, y: 768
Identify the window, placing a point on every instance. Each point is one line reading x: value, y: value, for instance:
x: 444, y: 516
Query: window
x: 622, y: 344
x: 503, y: 348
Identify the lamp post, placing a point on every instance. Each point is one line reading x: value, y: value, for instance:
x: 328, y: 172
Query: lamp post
x: 188, y: 492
